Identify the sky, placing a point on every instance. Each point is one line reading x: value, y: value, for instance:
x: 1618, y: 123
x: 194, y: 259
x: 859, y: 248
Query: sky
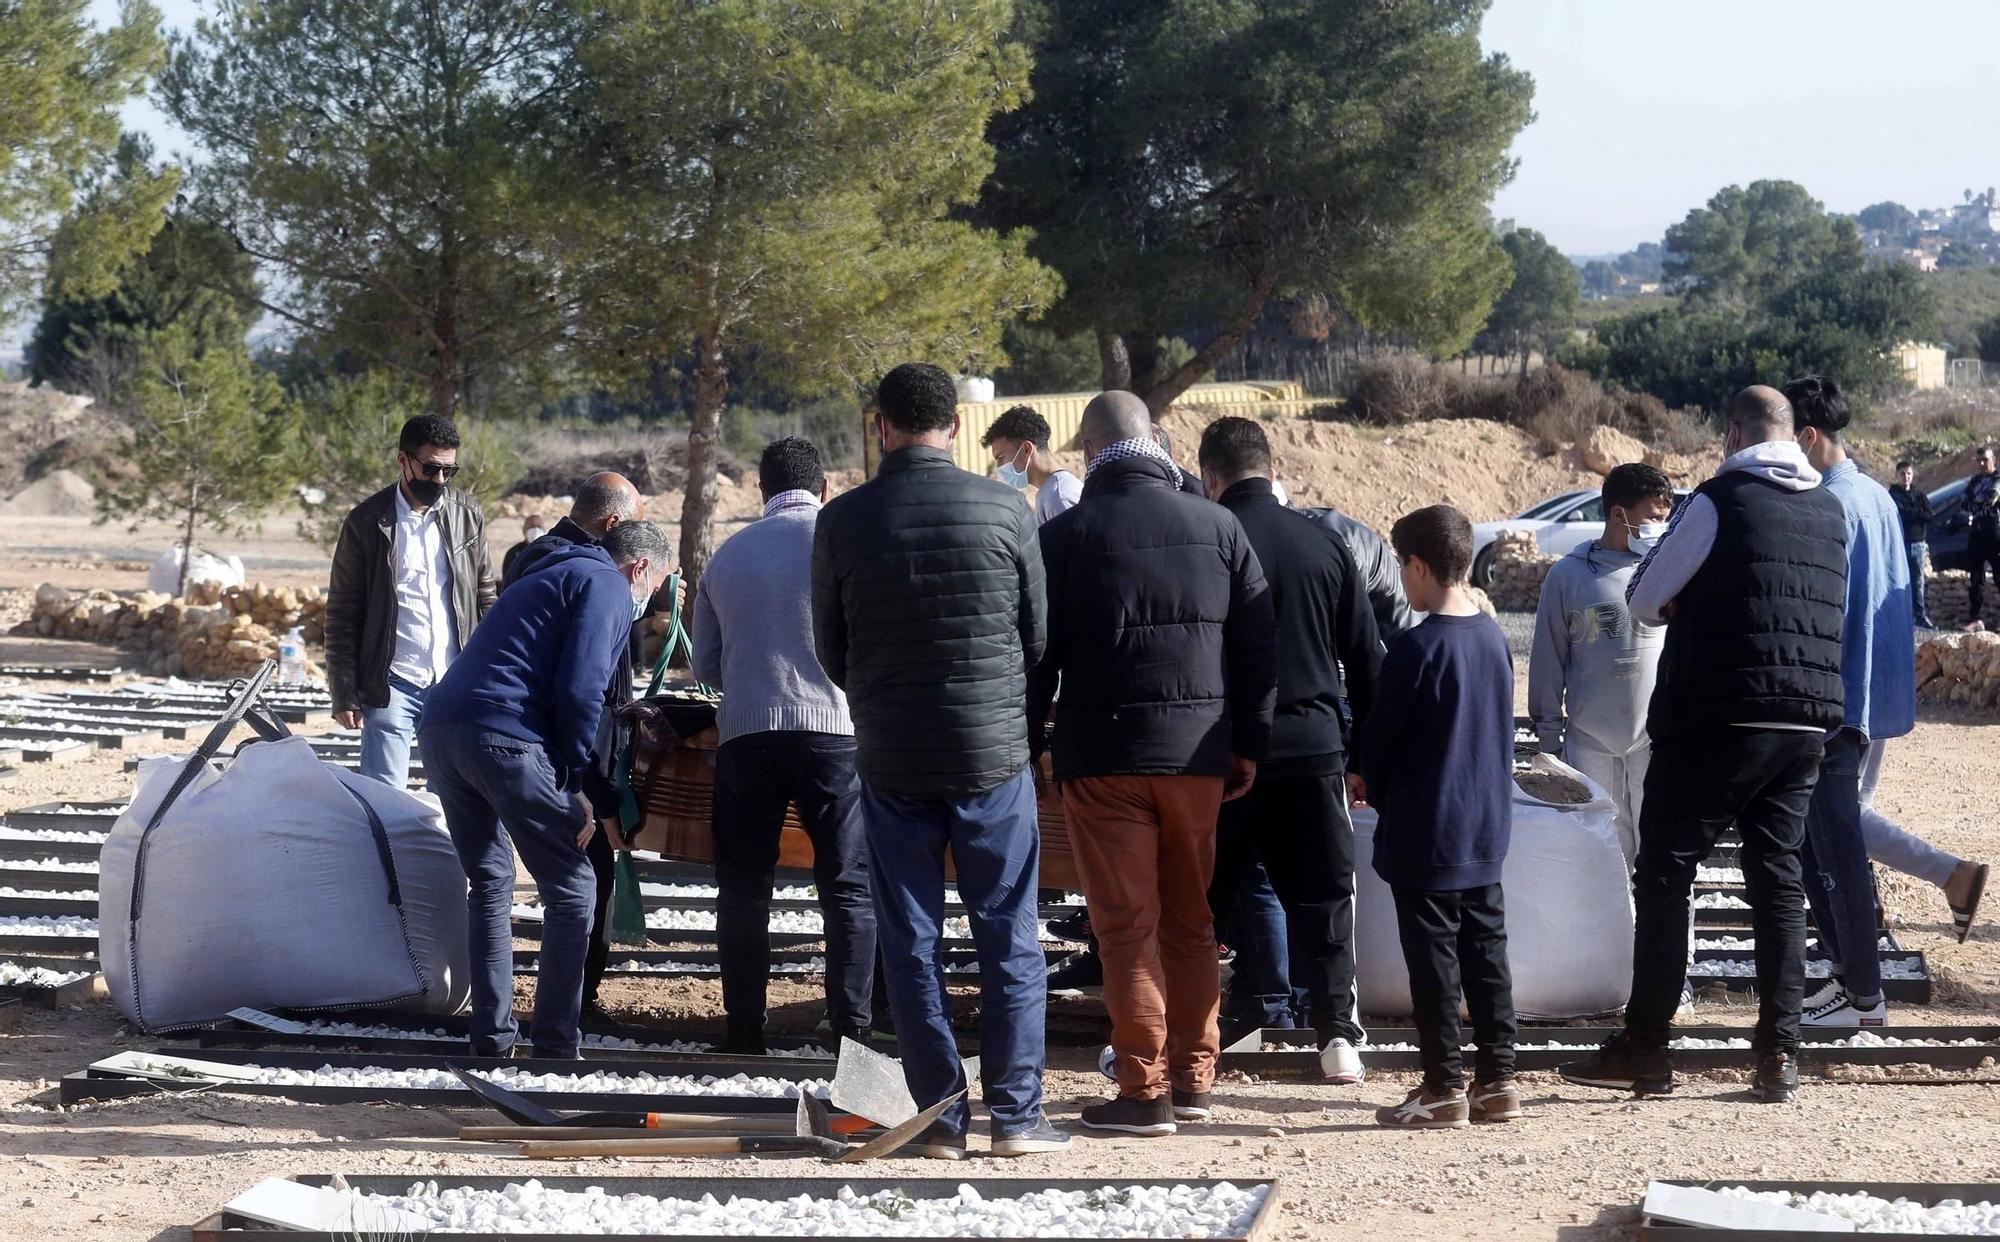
x: 1645, y: 108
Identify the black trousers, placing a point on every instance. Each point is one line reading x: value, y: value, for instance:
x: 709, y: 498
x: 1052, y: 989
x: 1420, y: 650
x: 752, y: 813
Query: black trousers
x: 603, y: 866
x: 1455, y: 943
x: 1762, y: 781
x: 756, y: 777
x: 1984, y: 551
x: 1298, y: 826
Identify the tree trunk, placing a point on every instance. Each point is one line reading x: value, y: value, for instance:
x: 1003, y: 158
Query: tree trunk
x: 1114, y: 365
x: 1144, y: 350
x: 1162, y: 393
x: 711, y: 385
x: 444, y: 338
x: 187, y: 541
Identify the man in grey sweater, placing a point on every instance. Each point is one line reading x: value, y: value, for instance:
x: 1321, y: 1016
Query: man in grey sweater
x: 786, y: 738
x: 1590, y: 676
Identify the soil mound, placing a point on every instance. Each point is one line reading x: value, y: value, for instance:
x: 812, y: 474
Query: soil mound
x: 61, y: 493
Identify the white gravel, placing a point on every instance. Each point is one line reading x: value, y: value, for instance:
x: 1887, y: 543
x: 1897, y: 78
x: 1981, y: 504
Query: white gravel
x: 356, y: 1030
x: 1690, y: 1043
x: 810, y: 966
x: 1745, y: 944
x: 1892, y: 968
x: 1872, y: 1215
x: 47, y: 925
x: 76, y: 895
x: 52, y: 864
x: 1157, y: 1211
x: 737, y: 1085
x: 38, y: 976
x: 1720, y: 901
x: 29, y: 834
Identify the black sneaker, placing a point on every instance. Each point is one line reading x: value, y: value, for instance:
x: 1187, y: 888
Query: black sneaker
x: 592, y: 1015
x: 1029, y: 1140
x: 1074, y: 926
x: 1190, y: 1105
x: 937, y: 1143
x: 1625, y: 1063
x: 1079, y: 970
x: 1776, y: 1080
x: 1152, y: 1118
x: 743, y: 1040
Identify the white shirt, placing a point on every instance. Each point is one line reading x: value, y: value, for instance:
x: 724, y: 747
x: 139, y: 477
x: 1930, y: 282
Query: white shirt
x: 426, y: 640
x: 1060, y: 492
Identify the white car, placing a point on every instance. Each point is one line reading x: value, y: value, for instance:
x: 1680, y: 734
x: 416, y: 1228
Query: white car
x: 1559, y: 524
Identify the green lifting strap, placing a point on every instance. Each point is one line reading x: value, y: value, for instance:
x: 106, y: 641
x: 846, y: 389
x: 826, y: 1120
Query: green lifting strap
x: 629, y: 814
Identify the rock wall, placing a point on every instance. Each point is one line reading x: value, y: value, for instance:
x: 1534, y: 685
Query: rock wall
x: 217, y: 632
x: 1947, y: 595
x: 1960, y: 668
x: 1518, y: 569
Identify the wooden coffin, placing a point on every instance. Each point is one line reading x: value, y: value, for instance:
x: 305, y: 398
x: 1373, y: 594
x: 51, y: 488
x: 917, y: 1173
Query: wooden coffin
x: 677, y: 795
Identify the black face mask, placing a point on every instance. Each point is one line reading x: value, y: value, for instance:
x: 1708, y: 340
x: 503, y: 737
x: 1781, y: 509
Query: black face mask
x: 427, y: 491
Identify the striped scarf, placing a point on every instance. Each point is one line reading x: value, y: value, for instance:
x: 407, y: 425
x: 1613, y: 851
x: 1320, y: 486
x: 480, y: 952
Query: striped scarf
x: 1138, y: 446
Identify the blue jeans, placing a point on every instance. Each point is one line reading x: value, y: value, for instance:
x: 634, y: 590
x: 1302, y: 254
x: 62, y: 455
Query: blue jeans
x: 1920, y: 609
x: 386, y: 734
x: 996, y: 848
x: 489, y: 782
x: 1260, y: 985
x: 1840, y: 883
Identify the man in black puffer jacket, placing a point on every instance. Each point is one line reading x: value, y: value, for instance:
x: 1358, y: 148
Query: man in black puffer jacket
x: 1161, y: 629
x: 929, y: 610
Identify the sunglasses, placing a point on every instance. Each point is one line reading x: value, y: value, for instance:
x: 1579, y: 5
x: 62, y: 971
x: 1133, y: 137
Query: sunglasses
x: 435, y: 470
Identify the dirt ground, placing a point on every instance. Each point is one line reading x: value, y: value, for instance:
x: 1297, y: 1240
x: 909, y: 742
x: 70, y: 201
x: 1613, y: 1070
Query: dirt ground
x: 145, y: 1169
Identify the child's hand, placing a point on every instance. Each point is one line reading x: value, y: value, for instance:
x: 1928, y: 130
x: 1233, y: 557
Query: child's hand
x: 1357, y: 790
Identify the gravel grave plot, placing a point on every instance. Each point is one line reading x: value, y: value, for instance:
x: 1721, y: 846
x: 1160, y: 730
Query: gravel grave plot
x: 57, y: 925
x: 81, y: 894
x: 52, y: 864
x: 1870, y: 1214
x: 1689, y: 1043
x: 38, y: 976
x: 356, y: 1030
x: 783, y: 922
x: 789, y: 892
x: 1718, y: 875
x: 1720, y: 901
x: 1160, y: 1211
x: 735, y: 1086
x: 1816, y: 968
x: 811, y: 966
x: 1745, y: 944
x: 29, y: 834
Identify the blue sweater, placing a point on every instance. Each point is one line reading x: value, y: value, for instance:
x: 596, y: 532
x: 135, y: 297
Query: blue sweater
x: 539, y: 660
x: 1879, y: 678
x: 1437, y: 752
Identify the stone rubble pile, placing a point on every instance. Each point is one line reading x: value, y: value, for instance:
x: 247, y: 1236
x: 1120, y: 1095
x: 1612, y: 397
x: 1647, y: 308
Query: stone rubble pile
x: 215, y: 633
x: 1519, y: 566
x: 1960, y: 668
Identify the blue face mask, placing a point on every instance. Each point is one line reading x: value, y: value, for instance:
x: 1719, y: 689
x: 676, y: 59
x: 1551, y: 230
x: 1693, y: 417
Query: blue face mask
x: 640, y: 598
x: 1012, y: 475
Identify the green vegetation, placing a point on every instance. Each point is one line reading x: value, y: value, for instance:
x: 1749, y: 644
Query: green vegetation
x: 61, y: 84
x: 1540, y: 303
x: 1188, y: 161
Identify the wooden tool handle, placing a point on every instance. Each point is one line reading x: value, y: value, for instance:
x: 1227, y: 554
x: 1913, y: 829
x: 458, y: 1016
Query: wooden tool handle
x: 718, y: 1145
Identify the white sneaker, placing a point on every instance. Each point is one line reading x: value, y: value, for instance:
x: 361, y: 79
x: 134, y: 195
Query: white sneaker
x: 1842, y: 1011
x: 1107, y: 1063
x: 1829, y: 992
x: 1686, y: 1007
x: 1340, y: 1061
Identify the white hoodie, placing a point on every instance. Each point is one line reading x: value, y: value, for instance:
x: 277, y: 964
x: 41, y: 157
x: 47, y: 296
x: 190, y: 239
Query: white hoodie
x: 1673, y: 561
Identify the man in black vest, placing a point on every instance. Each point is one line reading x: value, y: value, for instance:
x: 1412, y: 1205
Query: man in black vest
x: 1752, y: 576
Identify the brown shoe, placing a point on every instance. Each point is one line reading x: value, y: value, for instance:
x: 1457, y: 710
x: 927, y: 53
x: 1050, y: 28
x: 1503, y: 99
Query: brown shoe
x: 1499, y: 1100
x: 1423, y: 1110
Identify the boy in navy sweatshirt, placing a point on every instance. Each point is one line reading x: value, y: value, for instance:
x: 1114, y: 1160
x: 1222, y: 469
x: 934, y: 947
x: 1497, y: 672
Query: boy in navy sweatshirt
x: 1436, y: 761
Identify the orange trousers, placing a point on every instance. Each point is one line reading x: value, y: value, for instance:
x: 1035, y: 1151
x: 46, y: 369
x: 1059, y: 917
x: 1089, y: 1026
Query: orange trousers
x: 1145, y: 850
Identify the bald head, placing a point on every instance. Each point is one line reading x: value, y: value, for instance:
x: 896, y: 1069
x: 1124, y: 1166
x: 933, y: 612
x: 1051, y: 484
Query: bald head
x: 1113, y: 416
x: 1760, y: 413
x: 605, y: 500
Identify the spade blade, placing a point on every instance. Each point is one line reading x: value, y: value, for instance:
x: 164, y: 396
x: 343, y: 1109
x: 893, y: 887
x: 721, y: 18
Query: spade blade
x: 883, y: 1144
x: 517, y: 1108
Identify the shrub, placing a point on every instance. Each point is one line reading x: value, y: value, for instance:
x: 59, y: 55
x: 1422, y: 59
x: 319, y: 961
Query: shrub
x: 1555, y: 405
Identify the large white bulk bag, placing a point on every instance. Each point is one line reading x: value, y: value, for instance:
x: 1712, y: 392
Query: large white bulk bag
x: 164, y: 578
x: 1569, y: 912
x: 278, y: 882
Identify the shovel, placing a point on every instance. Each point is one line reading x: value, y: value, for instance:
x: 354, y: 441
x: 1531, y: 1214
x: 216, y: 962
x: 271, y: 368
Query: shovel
x: 811, y: 1115
x: 532, y: 1117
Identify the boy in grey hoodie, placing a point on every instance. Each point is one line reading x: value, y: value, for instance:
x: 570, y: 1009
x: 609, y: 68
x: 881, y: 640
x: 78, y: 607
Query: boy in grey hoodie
x: 1593, y: 662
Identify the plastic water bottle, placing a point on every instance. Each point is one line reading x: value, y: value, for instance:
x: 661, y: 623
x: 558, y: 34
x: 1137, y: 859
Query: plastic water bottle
x: 292, y: 657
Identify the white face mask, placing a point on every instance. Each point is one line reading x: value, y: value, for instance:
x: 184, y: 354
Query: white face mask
x: 1647, y: 536
x: 1014, y: 473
